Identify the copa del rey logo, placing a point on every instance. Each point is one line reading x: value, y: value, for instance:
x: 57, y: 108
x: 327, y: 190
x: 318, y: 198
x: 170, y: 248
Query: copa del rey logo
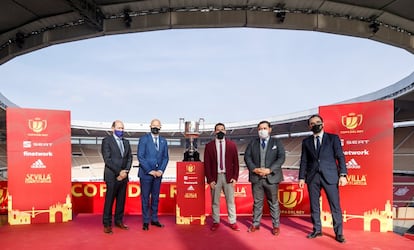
x: 352, y: 120
x: 37, y: 125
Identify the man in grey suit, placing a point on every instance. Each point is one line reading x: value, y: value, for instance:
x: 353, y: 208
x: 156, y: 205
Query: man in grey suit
x: 264, y: 157
x: 322, y: 166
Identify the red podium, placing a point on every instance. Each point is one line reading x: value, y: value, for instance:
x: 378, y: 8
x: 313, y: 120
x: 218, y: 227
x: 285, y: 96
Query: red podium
x: 190, y: 206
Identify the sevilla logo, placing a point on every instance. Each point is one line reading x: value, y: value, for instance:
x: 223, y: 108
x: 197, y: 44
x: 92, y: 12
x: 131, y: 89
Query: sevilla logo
x: 37, y: 125
x: 352, y: 120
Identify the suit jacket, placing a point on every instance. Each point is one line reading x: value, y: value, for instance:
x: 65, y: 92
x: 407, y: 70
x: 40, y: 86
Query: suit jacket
x: 114, y: 162
x: 275, y: 157
x: 149, y: 157
x: 231, y: 161
x: 330, y: 162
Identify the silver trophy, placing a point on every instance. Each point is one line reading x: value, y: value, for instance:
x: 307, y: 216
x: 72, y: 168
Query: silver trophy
x: 191, y: 133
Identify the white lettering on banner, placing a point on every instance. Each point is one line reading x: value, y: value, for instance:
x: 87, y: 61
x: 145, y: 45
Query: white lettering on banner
x: 361, y: 152
x: 46, y: 154
x: 357, y: 142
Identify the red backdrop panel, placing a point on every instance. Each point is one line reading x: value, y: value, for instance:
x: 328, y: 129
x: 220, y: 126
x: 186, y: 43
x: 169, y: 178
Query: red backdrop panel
x: 39, y: 165
x: 366, y: 132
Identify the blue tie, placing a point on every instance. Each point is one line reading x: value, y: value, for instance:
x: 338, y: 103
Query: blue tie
x: 263, y: 143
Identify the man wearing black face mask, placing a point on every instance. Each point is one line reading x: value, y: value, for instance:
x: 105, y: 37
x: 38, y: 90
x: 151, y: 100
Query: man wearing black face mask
x: 323, y: 166
x: 221, y: 168
x: 116, y: 152
x: 153, y: 159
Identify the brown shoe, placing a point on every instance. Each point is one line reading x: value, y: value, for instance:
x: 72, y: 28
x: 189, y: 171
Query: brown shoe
x: 275, y: 231
x: 235, y: 227
x: 214, y: 226
x: 122, y: 226
x: 108, y: 229
x: 253, y: 228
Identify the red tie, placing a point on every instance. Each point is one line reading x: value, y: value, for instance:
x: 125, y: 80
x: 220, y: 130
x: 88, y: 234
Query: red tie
x: 221, y: 156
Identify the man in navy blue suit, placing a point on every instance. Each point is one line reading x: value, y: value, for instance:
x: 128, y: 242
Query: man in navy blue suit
x: 116, y: 152
x: 153, y: 159
x: 323, y: 166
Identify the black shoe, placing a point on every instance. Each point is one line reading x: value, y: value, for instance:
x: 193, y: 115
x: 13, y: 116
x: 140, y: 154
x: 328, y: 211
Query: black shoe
x: 314, y: 234
x: 157, y: 224
x: 145, y: 227
x: 340, y: 238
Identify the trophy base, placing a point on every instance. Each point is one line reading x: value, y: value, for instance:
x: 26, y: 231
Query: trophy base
x: 191, y: 156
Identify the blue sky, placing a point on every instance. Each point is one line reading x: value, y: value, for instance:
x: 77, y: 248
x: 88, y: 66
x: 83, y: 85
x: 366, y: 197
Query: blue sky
x: 221, y: 75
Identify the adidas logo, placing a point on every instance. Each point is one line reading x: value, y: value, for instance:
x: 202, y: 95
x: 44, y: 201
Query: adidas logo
x: 38, y: 164
x: 352, y: 164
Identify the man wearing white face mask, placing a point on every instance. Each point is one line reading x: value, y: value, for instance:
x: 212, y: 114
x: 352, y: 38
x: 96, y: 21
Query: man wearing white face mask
x: 264, y: 157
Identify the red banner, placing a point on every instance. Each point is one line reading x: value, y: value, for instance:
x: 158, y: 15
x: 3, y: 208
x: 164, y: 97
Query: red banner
x: 190, y: 208
x: 39, y: 166
x: 366, y: 132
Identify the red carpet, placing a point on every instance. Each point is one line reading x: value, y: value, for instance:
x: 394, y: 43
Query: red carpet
x: 86, y: 232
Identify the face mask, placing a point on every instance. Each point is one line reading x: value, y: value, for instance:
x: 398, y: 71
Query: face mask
x: 155, y: 131
x: 220, y: 135
x: 316, y: 128
x: 119, y: 133
x: 263, y: 133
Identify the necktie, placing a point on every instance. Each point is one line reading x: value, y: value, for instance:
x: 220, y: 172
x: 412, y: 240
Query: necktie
x: 263, y: 143
x: 318, y: 144
x: 221, y: 156
x: 156, y: 143
x: 121, y: 146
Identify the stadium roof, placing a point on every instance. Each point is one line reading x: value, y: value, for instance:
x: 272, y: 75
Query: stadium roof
x: 27, y: 25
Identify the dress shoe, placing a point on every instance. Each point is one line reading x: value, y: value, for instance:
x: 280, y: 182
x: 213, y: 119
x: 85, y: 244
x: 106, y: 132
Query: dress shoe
x: 122, y: 226
x: 340, y: 238
x: 157, y: 224
x: 314, y: 234
x: 235, y: 227
x: 107, y: 229
x: 275, y: 231
x: 214, y: 226
x: 253, y: 228
x: 145, y: 227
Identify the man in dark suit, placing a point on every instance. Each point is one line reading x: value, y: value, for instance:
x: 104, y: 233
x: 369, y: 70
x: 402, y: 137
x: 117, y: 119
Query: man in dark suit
x: 221, y: 168
x: 323, y: 166
x: 264, y: 157
x: 153, y: 159
x: 116, y: 152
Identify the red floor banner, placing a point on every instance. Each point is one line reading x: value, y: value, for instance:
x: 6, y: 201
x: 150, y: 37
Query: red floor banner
x: 366, y: 132
x: 39, y: 166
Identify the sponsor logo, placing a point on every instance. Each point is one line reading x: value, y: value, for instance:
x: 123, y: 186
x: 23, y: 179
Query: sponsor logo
x: 38, y: 164
x: 357, y: 142
x: 37, y: 125
x: 38, y: 178
x: 191, y: 188
x: 290, y: 196
x: 357, y: 180
x: 352, y: 164
x: 27, y: 144
x: 45, y: 154
x: 356, y: 152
